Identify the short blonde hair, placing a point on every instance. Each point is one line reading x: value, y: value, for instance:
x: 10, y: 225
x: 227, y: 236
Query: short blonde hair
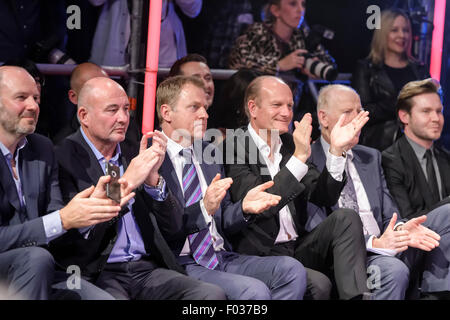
x: 415, y: 88
x: 169, y: 90
x: 379, y: 40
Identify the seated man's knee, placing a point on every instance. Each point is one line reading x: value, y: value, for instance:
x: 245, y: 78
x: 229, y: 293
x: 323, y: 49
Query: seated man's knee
x: 255, y: 290
x: 37, y: 260
x: 347, y: 217
x: 212, y: 291
x: 319, y: 286
x: 292, y: 268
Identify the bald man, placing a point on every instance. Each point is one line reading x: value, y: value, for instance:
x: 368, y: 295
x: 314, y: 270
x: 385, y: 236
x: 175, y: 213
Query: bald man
x: 127, y: 256
x: 31, y: 209
x: 80, y: 75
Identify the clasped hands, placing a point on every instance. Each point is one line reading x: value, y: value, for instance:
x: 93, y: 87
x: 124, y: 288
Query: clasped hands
x: 411, y: 234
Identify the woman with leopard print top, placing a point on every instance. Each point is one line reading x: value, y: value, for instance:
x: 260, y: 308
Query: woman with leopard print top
x: 277, y: 45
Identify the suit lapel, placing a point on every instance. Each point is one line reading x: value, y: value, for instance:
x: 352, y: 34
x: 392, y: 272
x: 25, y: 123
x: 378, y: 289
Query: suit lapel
x: 168, y: 172
x: 444, y: 171
x: 362, y: 166
x: 409, y: 158
x: 317, y: 155
x: 87, y: 158
x: 30, y: 173
x: 8, y: 184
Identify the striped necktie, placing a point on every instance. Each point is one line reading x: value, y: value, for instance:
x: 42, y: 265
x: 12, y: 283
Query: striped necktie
x: 201, y: 243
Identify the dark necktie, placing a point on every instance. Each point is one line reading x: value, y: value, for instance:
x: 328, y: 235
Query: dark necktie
x: 348, y: 194
x: 431, y: 177
x: 201, y: 243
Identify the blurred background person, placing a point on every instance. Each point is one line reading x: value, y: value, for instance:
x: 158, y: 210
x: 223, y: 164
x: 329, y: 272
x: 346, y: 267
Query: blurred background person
x: 379, y: 78
x: 281, y: 46
x: 172, y: 45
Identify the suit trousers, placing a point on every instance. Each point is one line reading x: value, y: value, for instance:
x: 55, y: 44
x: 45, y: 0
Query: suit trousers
x: 246, y: 277
x: 337, y: 247
x: 144, y: 280
x: 432, y: 267
x: 388, y: 277
x: 29, y: 273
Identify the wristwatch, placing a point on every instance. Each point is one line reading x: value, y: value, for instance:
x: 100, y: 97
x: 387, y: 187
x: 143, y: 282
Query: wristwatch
x: 160, y: 183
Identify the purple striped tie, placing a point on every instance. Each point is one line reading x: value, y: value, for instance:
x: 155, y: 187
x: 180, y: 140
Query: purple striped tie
x: 201, y: 243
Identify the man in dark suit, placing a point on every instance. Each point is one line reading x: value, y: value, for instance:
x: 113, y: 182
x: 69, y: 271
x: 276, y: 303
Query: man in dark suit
x: 31, y: 208
x: 395, y: 249
x: 193, y: 171
x: 416, y: 168
x: 128, y: 256
x: 258, y: 154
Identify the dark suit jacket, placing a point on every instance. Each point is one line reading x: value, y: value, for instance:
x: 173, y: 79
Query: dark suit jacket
x: 229, y: 218
x: 39, y: 176
x: 80, y: 169
x: 367, y: 162
x: 406, y: 180
x: 244, y: 164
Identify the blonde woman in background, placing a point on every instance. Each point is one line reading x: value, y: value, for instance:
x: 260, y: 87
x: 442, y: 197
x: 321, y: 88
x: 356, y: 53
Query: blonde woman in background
x: 379, y: 78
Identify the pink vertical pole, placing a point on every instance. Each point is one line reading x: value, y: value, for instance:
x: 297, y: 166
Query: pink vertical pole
x: 151, y: 72
x: 438, y: 39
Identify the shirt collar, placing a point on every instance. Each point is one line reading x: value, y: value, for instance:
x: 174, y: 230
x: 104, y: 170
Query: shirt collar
x: 174, y: 148
x: 5, y: 151
x: 97, y: 153
x: 262, y: 146
x: 417, y: 148
x: 326, y: 149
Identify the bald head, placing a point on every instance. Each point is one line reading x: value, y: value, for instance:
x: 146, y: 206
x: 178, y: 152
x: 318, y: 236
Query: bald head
x: 10, y: 73
x: 329, y: 93
x: 82, y: 73
x: 253, y: 91
x: 97, y: 89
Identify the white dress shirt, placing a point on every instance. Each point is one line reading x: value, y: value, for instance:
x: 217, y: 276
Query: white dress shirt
x: 178, y: 161
x: 287, y: 230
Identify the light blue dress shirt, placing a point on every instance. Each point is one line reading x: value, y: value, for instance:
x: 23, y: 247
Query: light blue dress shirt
x: 129, y: 245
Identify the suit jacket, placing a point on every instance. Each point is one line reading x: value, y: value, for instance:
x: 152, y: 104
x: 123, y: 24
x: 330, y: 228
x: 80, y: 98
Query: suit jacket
x: 229, y: 218
x: 367, y: 162
x: 39, y: 176
x: 80, y: 169
x: 244, y: 164
x: 406, y: 180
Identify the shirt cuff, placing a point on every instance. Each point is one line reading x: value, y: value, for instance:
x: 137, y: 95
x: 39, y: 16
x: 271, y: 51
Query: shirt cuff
x: 53, y: 225
x: 398, y: 224
x: 156, y: 193
x: 297, y: 168
x: 205, y: 213
x: 335, y: 166
x: 380, y: 251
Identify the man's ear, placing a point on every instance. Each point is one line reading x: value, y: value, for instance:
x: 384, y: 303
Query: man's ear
x: 82, y: 115
x: 166, y: 113
x: 73, y: 97
x: 403, y: 115
x: 251, y: 105
x: 323, y: 119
